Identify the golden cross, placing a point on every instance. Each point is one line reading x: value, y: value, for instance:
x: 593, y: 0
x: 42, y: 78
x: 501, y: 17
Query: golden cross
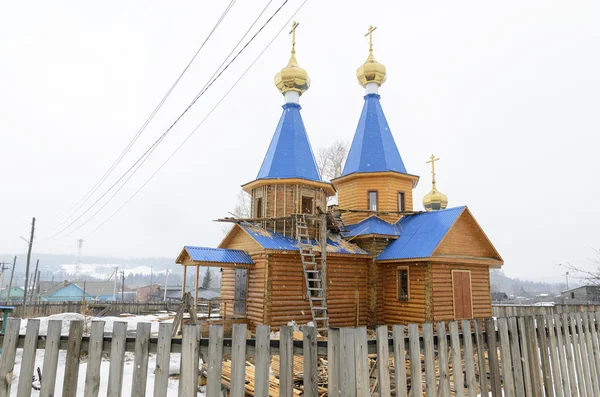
x: 370, y: 34
x: 293, y: 33
x: 432, y: 160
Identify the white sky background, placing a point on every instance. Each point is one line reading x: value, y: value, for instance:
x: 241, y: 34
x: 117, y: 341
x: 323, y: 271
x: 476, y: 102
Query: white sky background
x: 505, y: 93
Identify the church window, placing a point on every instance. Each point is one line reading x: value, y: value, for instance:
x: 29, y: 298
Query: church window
x: 401, y: 206
x: 373, y: 200
x: 307, y: 205
x: 259, y: 208
x: 403, y: 284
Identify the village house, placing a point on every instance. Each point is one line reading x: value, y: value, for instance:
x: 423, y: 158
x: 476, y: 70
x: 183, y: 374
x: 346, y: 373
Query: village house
x: 372, y: 259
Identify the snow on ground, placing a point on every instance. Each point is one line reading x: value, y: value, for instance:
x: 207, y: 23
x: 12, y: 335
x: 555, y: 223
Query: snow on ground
x: 132, y: 322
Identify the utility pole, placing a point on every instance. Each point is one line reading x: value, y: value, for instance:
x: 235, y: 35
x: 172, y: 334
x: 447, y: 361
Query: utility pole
x: 567, y: 278
x: 12, y: 273
x: 78, y: 266
x: 123, y: 286
x: 35, y: 273
x: 28, y: 261
x: 4, y: 267
x: 166, y: 285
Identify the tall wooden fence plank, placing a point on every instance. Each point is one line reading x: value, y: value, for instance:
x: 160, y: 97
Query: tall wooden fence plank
x: 562, y: 359
x: 286, y: 361
x: 50, y: 364
x: 570, y: 356
x: 585, y: 332
x: 457, y: 371
x: 383, y: 362
x: 534, y: 359
x: 480, y: 344
x: 333, y: 361
x: 492, y: 344
x: 416, y: 374
x: 429, y: 359
x: 238, y: 361
x: 361, y: 354
x: 163, y: 360
x: 469, y: 358
x: 9, y: 352
x: 544, y: 355
x: 261, y: 381
x: 400, y: 360
x: 582, y: 382
x: 309, y: 347
x: 140, y: 362
x: 347, y: 378
x: 92, y: 375
x: 507, y: 373
x: 214, y: 364
x: 117, y: 359
x: 595, y: 344
x: 72, y: 361
x: 515, y: 352
x: 188, y: 379
x: 525, y: 355
x: 559, y: 385
x: 28, y: 358
x: 444, y: 390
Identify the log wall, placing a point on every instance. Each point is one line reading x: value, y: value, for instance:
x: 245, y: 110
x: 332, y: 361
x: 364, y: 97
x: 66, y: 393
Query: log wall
x: 414, y: 309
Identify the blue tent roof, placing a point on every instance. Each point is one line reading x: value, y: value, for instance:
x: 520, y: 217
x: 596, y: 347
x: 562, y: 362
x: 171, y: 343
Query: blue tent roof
x: 289, y: 154
x: 219, y: 255
x: 373, y: 147
x: 371, y: 225
x: 420, y: 234
x: 277, y: 241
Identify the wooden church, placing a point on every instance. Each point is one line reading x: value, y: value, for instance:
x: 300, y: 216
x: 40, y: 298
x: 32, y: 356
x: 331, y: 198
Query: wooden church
x: 372, y: 259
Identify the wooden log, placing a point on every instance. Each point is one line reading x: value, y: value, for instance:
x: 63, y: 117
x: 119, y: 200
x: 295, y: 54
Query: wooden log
x: 457, y: 371
x: 117, y: 359
x: 507, y: 374
x: 534, y: 360
x: 400, y: 360
x: 215, y: 360
x: 238, y: 361
x: 286, y: 363
x: 333, y: 361
x: 51, y: 358
x: 516, y: 357
x: 480, y: 345
x: 469, y: 358
x: 582, y: 382
x: 492, y: 343
x: 416, y: 374
x: 383, y: 362
x: 140, y: 363
x: 188, y: 379
x: 92, y: 375
x: 559, y: 386
x: 347, y: 378
x: 28, y: 358
x: 163, y: 359
x: 261, y: 382
x: 563, y: 345
x: 544, y: 355
x: 72, y: 360
x: 429, y: 358
x: 362, y: 360
x: 522, y: 337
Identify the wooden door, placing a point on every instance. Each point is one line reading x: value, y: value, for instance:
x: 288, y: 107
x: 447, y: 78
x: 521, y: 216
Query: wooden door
x: 241, y: 292
x: 461, y: 287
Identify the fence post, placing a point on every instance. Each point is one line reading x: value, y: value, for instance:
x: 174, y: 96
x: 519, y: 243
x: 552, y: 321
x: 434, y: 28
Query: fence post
x: 400, y: 360
x: 72, y: 362
x: 362, y: 360
x: 525, y: 355
x: 333, y: 361
x: 416, y: 374
x: 92, y: 376
x: 51, y: 358
x: 9, y: 352
x: 188, y: 379
x: 516, y: 354
x: 286, y: 361
x: 429, y: 358
x: 238, y: 361
x: 507, y: 375
x: 480, y: 357
x: 492, y: 342
x: 140, y: 363
x: 309, y: 347
x: 347, y: 377
x: 262, y: 348
x: 214, y: 365
x: 117, y: 358
x: 457, y: 371
x: 163, y: 359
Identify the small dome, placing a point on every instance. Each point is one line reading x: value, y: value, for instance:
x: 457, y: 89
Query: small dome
x: 292, y: 77
x: 371, y: 71
x: 435, y: 200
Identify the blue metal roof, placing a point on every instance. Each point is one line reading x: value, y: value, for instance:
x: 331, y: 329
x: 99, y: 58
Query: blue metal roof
x: 277, y: 241
x: 420, y: 234
x: 219, y: 255
x: 371, y: 225
x: 289, y: 154
x: 373, y: 147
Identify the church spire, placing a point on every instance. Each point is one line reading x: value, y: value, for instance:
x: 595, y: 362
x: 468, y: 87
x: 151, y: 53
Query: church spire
x: 292, y: 81
x: 434, y: 200
x: 371, y: 74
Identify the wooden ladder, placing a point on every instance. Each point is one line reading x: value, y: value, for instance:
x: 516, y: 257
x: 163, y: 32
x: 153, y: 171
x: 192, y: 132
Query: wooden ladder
x: 312, y: 276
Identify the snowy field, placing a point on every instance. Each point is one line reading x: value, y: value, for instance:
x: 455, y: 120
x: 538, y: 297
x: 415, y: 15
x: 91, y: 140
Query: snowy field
x: 132, y: 322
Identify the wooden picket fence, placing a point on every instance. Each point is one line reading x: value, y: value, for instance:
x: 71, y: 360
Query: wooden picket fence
x: 551, y: 355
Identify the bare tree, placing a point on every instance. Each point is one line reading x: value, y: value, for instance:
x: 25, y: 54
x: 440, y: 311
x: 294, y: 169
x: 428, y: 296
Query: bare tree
x: 589, y: 275
x: 243, y: 208
x: 331, y: 159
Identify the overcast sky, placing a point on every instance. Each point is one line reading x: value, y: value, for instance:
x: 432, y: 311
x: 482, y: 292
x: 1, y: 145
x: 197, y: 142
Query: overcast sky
x: 507, y: 94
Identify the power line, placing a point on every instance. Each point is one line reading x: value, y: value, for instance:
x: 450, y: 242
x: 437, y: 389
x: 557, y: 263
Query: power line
x: 140, y: 161
x: 99, y: 183
x: 200, y: 124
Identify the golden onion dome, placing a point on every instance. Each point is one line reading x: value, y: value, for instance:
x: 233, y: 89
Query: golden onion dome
x: 434, y: 200
x: 292, y: 77
x: 371, y: 71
